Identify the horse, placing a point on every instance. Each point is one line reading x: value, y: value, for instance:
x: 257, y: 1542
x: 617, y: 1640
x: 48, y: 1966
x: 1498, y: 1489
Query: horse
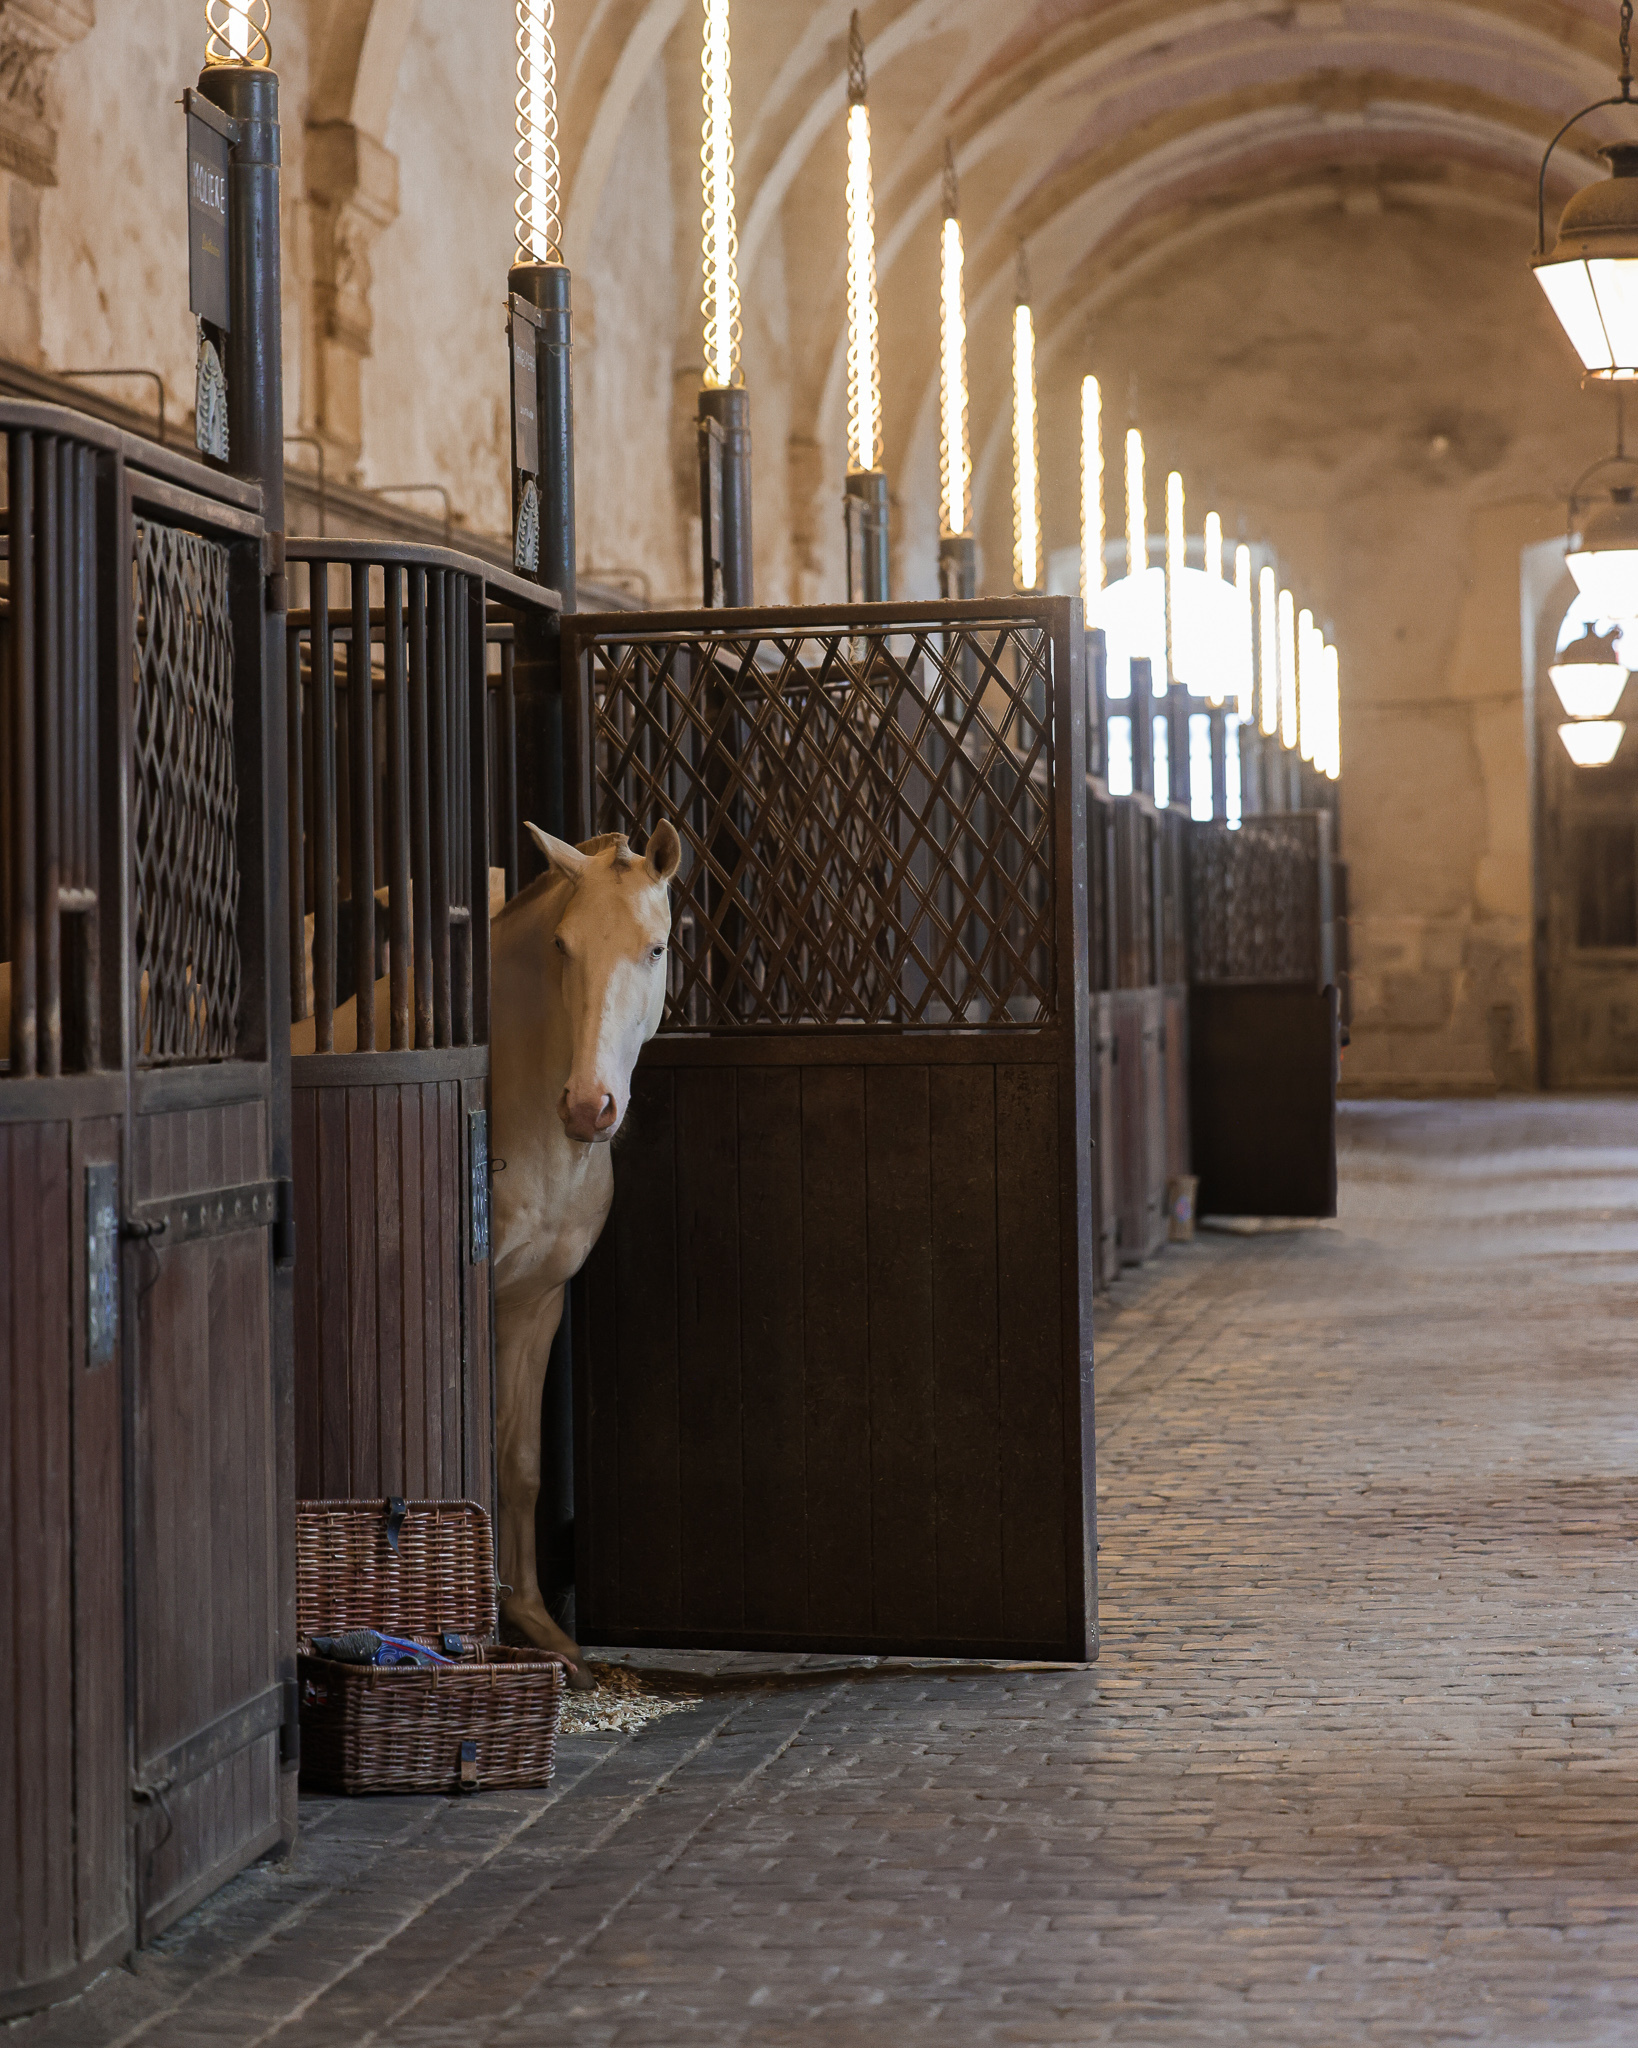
x: 578, y: 985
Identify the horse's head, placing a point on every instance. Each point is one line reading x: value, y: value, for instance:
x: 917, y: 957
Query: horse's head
x: 611, y: 943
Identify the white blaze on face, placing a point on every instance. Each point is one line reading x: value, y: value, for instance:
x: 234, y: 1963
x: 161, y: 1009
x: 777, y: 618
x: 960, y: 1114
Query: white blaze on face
x: 611, y: 945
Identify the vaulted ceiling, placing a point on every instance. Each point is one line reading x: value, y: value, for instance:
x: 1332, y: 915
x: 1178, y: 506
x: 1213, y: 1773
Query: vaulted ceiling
x: 1108, y: 135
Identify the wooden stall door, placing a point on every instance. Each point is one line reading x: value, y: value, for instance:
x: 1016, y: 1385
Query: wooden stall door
x: 65, y: 1893
x: 1263, y: 1023
x: 201, y: 1207
x: 833, y: 1349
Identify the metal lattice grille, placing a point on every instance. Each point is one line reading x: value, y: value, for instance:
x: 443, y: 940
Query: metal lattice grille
x: 186, y: 799
x: 1255, y: 902
x: 866, y: 818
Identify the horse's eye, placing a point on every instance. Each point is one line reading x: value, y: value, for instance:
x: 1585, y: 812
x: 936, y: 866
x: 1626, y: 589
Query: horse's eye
x: 658, y: 953
x: 558, y: 943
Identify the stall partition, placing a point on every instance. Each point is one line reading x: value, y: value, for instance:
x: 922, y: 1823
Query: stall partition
x: 403, y: 744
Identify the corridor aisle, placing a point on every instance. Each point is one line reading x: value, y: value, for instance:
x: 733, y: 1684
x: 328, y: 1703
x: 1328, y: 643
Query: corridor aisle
x: 1355, y: 1767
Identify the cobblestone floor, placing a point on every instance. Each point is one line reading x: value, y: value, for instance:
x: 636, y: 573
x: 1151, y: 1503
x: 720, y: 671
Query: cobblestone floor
x: 1356, y: 1765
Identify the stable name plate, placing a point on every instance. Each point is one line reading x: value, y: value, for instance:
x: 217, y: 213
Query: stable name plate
x: 525, y: 335
x: 210, y: 146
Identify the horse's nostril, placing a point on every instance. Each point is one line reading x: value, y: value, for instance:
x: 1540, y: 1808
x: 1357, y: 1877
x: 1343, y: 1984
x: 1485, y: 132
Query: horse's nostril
x: 606, y: 1114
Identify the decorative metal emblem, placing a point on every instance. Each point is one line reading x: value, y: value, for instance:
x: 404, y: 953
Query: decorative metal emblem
x: 101, y: 1263
x: 210, y: 428
x: 526, y: 547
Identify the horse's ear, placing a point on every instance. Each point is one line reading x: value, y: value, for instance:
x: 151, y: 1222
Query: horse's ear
x: 561, y: 857
x: 664, y: 854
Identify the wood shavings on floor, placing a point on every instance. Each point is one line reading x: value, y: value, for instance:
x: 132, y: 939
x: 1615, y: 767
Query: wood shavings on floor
x: 623, y: 1700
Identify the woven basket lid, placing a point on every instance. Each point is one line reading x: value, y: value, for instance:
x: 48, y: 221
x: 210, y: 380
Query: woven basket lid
x: 349, y: 1573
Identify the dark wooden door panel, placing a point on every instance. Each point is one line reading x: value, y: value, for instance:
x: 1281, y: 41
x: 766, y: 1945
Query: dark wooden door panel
x: 64, y: 1892
x: 1263, y: 1078
x: 821, y: 1389
x: 36, y: 1524
x: 205, y: 1643
x: 1175, y: 1068
x: 393, y: 1388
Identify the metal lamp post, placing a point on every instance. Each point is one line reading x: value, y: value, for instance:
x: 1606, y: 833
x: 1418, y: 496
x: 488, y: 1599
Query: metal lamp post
x: 865, y: 507
x: 242, y: 88
x: 724, y: 407
x: 234, y: 276
x: 1092, y: 571
x: 957, y: 549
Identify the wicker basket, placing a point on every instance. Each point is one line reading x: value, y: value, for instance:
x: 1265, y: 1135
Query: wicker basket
x: 489, y: 1720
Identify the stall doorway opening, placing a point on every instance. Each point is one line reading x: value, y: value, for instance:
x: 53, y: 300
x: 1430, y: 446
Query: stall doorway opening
x: 1586, y: 872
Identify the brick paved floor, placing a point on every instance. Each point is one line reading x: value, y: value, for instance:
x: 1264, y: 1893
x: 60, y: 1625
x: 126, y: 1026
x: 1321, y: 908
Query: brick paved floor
x: 1355, y: 1767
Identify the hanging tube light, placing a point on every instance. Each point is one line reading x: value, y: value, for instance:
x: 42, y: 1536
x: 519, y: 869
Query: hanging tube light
x: 1026, y: 441
x: 1268, y: 656
x: 1177, y: 546
x: 1288, y: 669
x: 955, y: 463
x: 1308, y: 678
x: 1137, y: 511
x: 720, y: 304
x: 864, y: 368
x: 1092, y: 528
x: 539, y: 227
x: 236, y: 32
x: 865, y: 505
x: 1248, y: 661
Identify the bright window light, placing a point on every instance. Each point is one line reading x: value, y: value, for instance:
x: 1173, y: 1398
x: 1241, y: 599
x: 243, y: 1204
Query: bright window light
x: 1199, y: 765
x: 1120, y: 755
x: 1163, y: 762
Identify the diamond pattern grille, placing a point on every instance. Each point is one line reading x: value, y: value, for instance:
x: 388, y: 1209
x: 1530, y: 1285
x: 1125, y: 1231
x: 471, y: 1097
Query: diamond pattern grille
x: 186, y: 800
x: 1254, y: 899
x: 866, y: 818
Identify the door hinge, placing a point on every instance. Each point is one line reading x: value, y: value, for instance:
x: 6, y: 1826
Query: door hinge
x: 477, y: 1154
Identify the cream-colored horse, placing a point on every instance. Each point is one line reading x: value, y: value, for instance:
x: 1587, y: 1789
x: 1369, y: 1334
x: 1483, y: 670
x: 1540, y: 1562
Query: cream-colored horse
x: 577, y: 979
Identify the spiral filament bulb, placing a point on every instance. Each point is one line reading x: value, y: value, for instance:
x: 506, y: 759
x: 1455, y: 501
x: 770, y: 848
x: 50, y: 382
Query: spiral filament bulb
x: 539, y: 228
